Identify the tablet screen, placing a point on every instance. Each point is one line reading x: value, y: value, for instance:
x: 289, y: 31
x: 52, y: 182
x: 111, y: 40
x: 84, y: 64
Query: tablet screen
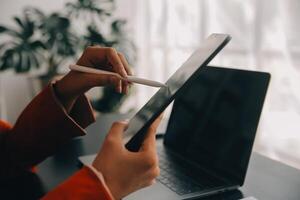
x: 164, y: 96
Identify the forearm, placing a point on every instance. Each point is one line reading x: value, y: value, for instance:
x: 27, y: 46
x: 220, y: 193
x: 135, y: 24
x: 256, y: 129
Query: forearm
x: 67, y: 103
x: 43, y: 127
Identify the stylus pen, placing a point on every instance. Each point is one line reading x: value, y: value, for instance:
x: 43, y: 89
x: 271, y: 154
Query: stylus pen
x: 132, y: 79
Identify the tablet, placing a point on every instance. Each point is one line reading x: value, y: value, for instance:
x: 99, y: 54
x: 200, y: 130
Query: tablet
x: 139, y: 123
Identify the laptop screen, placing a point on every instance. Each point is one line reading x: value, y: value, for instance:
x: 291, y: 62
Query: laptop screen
x: 214, y: 120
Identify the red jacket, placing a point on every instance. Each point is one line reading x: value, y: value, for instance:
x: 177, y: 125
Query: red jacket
x: 44, y: 119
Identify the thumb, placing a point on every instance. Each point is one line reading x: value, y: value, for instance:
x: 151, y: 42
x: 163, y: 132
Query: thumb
x: 116, y: 131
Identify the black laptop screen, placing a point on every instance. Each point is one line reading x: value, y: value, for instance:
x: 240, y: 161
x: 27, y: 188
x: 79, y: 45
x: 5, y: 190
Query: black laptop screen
x: 214, y: 120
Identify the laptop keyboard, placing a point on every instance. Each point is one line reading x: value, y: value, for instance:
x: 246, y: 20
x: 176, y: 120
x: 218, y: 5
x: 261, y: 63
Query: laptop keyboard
x: 172, y: 177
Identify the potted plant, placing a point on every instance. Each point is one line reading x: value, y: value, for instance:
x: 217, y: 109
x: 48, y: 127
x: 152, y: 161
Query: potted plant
x: 22, y: 51
x: 50, y: 40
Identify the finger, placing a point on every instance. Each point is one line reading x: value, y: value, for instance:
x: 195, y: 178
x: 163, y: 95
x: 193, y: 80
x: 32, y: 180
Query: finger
x: 119, y: 86
x: 150, y: 140
x: 116, y: 131
x: 115, y: 61
x: 125, y: 64
x: 157, y: 121
x: 124, y: 87
x: 92, y: 57
x: 104, y: 79
x: 101, y: 80
x: 149, y: 143
x: 125, y: 84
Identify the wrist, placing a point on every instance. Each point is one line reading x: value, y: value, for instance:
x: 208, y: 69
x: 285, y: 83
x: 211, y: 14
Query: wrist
x: 113, y: 188
x: 65, y: 98
x: 103, y: 182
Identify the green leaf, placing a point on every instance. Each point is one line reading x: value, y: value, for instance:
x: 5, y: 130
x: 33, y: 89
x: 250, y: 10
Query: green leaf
x: 19, y: 21
x: 28, y: 64
x: 3, y: 66
x: 28, y: 28
x: 3, y: 29
x: 7, y: 59
x: 19, y: 61
x: 37, y: 44
x: 35, y: 62
x: 117, y: 26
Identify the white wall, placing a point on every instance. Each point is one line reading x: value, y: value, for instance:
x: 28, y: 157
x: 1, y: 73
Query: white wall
x: 9, y: 8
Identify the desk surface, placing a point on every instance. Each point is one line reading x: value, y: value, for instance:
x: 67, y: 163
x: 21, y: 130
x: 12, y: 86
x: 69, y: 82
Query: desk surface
x: 266, y: 179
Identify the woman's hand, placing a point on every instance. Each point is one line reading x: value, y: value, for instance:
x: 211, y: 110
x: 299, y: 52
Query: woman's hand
x: 124, y: 171
x: 76, y: 83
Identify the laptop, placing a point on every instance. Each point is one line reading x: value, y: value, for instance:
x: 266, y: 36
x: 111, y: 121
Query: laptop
x: 210, y: 134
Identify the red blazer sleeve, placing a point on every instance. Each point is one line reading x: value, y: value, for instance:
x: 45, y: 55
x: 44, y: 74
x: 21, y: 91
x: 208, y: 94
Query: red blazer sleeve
x: 84, y: 184
x: 41, y: 129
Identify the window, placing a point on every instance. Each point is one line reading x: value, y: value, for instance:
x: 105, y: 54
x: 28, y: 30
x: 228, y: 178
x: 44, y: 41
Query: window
x: 265, y: 37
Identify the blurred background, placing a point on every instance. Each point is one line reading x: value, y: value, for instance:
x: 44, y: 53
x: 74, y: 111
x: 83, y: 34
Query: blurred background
x: 40, y: 38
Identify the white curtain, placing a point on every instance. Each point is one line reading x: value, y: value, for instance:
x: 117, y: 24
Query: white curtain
x: 265, y: 37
